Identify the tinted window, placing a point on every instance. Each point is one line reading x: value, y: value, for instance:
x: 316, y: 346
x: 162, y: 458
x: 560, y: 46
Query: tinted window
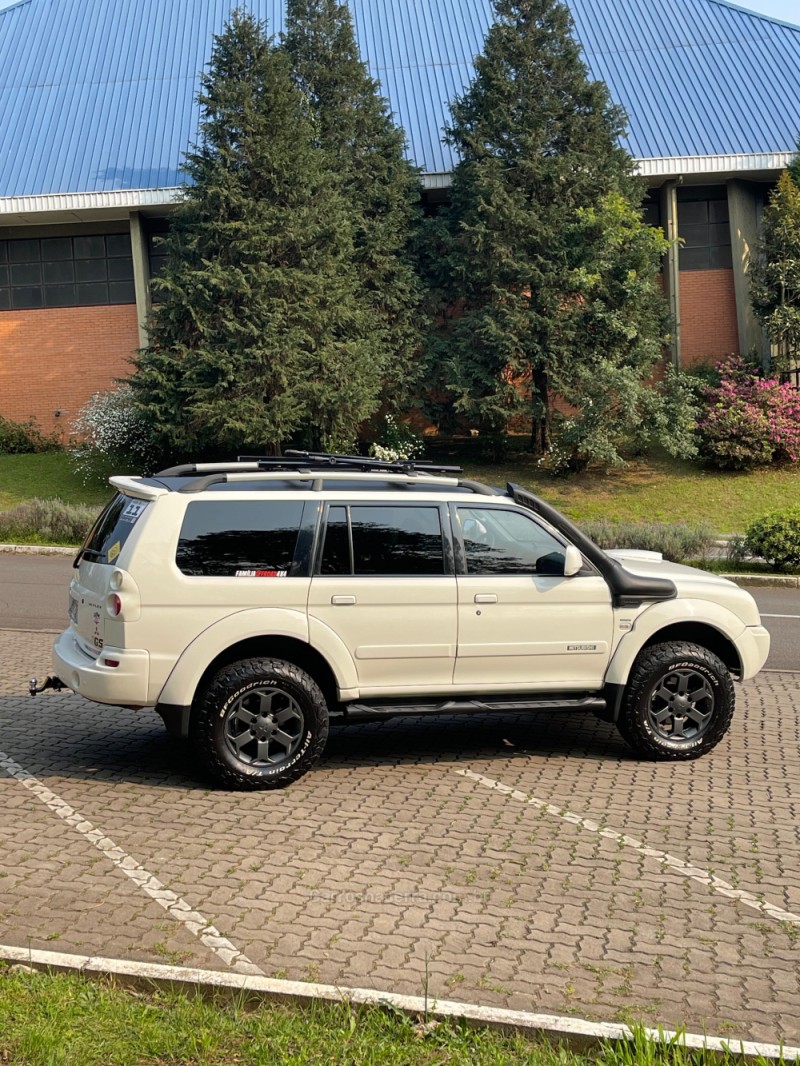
x: 229, y: 538
x: 66, y: 271
x: 505, y: 542
x: 397, y: 540
x: 112, y: 529
x: 703, y: 228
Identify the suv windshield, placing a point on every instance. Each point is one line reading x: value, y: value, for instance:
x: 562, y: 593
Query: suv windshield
x: 111, y: 530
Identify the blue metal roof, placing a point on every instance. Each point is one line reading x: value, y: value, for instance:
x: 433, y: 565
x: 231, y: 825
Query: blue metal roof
x: 98, y: 95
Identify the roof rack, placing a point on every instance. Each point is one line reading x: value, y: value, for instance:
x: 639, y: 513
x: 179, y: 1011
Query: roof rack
x: 317, y: 467
x: 302, y: 461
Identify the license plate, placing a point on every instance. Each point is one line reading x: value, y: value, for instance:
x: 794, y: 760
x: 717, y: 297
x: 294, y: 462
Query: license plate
x: 72, y: 610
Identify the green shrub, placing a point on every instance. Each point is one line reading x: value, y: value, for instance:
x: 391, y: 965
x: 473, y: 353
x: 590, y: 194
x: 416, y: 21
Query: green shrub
x: 22, y: 438
x: 676, y: 542
x: 46, y: 521
x: 775, y: 537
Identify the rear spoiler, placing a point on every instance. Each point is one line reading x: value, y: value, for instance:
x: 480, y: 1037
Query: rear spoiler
x: 132, y: 486
x: 627, y: 589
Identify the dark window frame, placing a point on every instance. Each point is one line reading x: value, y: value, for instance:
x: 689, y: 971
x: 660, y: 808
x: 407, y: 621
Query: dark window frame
x: 704, y: 222
x: 46, y: 256
x: 448, y: 555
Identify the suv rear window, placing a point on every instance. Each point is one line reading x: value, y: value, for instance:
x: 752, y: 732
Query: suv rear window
x: 112, y: 529
x: 239, y: 538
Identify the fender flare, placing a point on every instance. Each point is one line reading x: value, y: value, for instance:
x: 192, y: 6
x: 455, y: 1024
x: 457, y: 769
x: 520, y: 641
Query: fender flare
x: 661, y: 615
x: 261, y: 622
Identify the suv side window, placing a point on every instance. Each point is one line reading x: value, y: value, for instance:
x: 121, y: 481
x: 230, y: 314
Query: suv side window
x: 239, y: 538
x: 505, y: 542
x: 386, y: 540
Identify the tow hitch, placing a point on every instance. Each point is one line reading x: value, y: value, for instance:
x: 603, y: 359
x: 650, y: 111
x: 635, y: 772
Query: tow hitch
x: 55, y: 683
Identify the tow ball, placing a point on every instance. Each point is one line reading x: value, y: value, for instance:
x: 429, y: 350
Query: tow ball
x: 55, y: 683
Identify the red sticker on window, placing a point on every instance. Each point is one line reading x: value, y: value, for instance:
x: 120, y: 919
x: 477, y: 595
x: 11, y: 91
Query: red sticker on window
x: 261, y: 573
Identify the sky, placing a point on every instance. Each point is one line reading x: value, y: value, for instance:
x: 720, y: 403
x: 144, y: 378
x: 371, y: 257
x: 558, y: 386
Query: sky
x: 788, y: 10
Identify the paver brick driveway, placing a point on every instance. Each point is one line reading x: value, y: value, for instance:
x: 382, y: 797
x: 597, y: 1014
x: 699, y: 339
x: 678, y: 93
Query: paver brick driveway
x: 425, y: 853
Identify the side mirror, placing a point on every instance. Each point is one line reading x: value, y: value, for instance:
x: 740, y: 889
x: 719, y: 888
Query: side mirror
x: 573, y: 561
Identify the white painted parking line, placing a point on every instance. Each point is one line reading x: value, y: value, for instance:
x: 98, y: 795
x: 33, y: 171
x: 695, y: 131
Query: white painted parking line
x: 779, y: 615
x: 174, y: 905
x: 679, y: 866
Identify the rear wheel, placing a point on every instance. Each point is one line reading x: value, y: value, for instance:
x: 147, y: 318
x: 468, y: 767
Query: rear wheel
x: 678, y: 703
x: 259, y: 724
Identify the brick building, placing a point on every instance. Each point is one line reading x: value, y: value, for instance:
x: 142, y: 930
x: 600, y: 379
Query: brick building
x: 97, y: 99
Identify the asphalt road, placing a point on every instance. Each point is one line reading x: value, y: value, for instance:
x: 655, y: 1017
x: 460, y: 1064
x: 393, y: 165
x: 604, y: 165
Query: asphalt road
x: 33, y: 595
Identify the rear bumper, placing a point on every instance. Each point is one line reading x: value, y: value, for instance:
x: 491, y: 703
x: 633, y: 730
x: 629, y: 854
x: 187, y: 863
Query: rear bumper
x: 125, y: 684
x: 753, y: 648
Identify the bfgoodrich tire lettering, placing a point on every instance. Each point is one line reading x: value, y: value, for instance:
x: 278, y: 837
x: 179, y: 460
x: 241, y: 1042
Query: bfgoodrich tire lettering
x: 678, y: 703
x: 259, y: 724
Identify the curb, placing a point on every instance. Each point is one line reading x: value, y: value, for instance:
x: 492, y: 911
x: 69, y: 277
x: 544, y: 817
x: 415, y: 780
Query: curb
x: 764, y: 581
x: 37, y: 549
x: 575, y: 1033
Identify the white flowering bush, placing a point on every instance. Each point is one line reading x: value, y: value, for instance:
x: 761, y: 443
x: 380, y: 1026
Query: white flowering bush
x: 398, y: 441
x: 110, y: 436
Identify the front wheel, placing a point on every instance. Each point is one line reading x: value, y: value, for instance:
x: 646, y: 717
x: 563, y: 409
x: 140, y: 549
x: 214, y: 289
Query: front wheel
x: 259, y: 724
x: 678, y: 703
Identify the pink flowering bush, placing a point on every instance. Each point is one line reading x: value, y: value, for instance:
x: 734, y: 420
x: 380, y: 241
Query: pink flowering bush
x: 748, y: 420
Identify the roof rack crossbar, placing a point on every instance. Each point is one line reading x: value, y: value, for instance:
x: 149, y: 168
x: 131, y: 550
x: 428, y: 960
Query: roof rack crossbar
x: 364, y: 463
x: 321, y: 461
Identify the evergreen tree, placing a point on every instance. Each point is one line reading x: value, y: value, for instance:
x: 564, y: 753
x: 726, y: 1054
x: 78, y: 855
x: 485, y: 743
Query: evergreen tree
x: 262, y: 331
x: 775, y: 272
x: 538, y: 143
x: 383, y: 189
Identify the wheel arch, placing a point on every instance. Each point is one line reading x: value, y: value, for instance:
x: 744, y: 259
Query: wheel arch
x: 256, y: 633
x: 290, y: 649
x: 698, y: 622
x: 699, y: 633
x: 177, y: 716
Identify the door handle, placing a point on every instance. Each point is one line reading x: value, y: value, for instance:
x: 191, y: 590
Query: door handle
x: 343, y: 601
x: 486, y: 597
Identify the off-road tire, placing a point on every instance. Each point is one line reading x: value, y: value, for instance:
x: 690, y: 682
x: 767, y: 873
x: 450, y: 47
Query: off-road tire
x: 230, y: 696
x: 652, y: 692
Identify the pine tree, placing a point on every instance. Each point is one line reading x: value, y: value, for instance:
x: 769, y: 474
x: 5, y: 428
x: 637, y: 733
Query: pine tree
x: 775, y: 272
x: 538, y: 143
x: 262, y: 332
x: 383, y: 189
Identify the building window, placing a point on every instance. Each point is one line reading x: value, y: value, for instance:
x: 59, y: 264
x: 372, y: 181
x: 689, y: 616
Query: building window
x: 66, y: 272
x: 703, y: 228
x: 651, y: 211
x: 157, y: 230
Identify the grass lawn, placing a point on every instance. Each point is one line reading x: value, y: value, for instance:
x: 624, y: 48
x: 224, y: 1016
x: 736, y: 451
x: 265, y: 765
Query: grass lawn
x: 47, y: 475
x: 50, y: 1020
x: 655, y: 490
x: 652, y: 490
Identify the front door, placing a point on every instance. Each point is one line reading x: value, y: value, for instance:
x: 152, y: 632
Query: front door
x: 384, y: 584
x: 521, y: 623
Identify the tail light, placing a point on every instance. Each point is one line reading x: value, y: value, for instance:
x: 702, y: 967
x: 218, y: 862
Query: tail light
x: 113, y: 604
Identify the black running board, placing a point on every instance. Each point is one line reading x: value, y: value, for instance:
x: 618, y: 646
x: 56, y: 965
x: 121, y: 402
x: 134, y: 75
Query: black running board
x: 501, y: 704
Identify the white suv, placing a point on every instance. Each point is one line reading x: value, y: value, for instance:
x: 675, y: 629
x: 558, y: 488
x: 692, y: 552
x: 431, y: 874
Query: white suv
x: 248, y: 602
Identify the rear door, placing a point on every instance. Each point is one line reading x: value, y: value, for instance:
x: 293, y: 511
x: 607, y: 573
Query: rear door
x: 521, y: 622
x: 95, y: 563
x: 384, y: 583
